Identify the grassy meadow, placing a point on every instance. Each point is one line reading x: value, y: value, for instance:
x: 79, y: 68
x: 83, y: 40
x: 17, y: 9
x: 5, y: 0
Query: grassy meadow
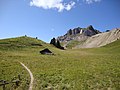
x: 72, y: 69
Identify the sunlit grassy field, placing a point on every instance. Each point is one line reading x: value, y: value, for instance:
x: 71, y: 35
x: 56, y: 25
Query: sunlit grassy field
x: 72, y: 69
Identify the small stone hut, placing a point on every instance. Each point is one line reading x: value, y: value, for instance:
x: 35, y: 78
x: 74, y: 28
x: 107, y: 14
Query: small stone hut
x: 46, y: 51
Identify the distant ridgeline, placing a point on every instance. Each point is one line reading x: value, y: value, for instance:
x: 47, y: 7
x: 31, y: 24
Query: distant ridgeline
x: 83, y: 33
x: 88, y: 37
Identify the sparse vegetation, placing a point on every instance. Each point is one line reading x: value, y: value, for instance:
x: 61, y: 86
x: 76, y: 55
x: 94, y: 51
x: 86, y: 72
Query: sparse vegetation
x: 77, y: 69
x: 73, y: 43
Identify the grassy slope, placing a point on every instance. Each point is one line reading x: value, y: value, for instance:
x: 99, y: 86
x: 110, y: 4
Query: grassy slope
x: 11, y: 51
x: 73, y: 43
x: 80, y: 69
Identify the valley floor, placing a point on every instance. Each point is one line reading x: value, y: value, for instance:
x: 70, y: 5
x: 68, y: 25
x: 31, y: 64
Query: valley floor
x: 78, y: 69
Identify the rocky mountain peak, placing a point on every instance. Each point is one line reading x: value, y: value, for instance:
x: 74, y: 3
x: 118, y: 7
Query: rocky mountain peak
x: 78, y: 34
x: 74, y: 31
x: 90, y: 27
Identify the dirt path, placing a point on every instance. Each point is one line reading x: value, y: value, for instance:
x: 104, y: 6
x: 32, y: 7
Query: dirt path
x: 31, y: 76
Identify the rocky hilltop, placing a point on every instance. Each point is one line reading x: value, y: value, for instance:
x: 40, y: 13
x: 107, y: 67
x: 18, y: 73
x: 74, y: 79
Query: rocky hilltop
x: 78, y: 34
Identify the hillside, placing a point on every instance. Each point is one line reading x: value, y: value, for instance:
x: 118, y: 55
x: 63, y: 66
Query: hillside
x: 72, y: 69
x: 14, y: 50
x: 21, y: 42
x: 101, y: 39
x: 89, y: 38
x: 77, y: 35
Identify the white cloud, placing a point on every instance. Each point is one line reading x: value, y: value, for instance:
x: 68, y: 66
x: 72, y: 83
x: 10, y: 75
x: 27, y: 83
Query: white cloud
x: 69, y: 6
x: 91, y: 1
x: 53, y: 4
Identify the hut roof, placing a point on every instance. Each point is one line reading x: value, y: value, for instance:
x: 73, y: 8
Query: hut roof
x: 46, y: 51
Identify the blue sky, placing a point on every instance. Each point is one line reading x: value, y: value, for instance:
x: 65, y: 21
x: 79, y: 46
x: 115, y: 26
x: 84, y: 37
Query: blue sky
x: 51, y: 18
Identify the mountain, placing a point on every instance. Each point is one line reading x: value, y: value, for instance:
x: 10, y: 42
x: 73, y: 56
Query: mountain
x: 77, y: 35
x: 101, y: 39
x: 88, y: 37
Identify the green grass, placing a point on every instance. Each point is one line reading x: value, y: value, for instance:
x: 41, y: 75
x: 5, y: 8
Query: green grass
x: 73, y: 43
x: 77, y: 69
x: 20, y: 43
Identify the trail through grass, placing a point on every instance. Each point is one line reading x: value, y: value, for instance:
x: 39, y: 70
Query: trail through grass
x: 78, y: 69
x: 31, y: 76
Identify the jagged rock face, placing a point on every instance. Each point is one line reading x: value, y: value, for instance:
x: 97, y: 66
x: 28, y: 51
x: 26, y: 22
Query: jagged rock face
x: 89, y: 33
x: 78, y: 34
x: 74, y: 31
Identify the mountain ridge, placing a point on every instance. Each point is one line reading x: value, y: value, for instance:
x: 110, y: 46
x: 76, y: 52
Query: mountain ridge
x: 88, y: 37
x: 82, y: 32
x: 101, y: 39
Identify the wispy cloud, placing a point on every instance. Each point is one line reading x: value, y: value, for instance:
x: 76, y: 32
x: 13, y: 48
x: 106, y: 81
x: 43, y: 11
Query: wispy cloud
x: 53, y: 4
x: 59, y: 5
x: 91, y: 1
